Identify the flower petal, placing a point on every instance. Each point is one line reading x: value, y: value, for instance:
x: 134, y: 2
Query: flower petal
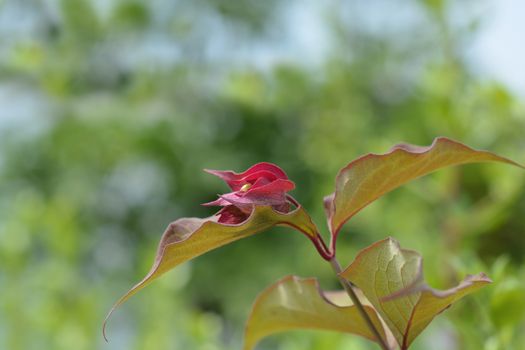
x: 217, y: 203
x: 243, y: 201
x: 277, y: 186
x: 252, y: 178
x: 232, y: 178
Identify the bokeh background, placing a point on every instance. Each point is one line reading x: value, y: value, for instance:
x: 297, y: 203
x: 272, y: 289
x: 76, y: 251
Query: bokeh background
x: 110, y: 109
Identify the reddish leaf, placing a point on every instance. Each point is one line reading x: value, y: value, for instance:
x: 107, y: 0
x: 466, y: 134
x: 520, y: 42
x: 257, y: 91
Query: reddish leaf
x: 392, y: 280
x: 187, y: 238
x: 296, y: 303
x: 369, y: 177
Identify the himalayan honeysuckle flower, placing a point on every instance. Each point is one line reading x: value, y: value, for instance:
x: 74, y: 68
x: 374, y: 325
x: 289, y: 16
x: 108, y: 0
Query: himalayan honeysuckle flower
x: 262, y: 184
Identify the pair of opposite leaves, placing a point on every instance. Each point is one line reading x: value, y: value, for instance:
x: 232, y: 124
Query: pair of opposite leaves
x: 294, y: 303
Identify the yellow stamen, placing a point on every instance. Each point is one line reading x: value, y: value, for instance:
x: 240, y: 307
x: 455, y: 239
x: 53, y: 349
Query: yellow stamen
x: 245, y: 187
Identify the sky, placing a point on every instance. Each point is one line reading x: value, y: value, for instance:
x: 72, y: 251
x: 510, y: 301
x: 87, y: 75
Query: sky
x: 500, y: 46
x: 497, y: 50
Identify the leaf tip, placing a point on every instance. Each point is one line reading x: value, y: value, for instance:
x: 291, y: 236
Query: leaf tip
x: 104, y: 325
x: 480, y: 277
x: 113, y: 308
x: 391, y: 240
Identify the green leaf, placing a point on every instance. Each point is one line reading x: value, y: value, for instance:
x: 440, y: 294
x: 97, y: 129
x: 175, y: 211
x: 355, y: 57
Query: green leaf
x: 371, y: 176
x: 392, y: 280
x: 187, y: 238
x: 296, y: 303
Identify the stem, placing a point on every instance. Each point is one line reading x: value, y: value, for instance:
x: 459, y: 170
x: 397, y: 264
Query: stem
x: 351, y: 293
x: 329, y: 255
x: 333, y: 239
x: 321, y: 247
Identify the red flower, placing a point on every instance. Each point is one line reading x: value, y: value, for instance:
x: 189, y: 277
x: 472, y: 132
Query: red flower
x: 262, y: 184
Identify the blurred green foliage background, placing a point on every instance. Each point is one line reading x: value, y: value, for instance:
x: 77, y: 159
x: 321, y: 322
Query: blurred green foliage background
x: 109, y: 111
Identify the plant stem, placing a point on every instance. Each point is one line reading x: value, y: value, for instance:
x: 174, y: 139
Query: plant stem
x: 351, y: 293
x: 321, y: 247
